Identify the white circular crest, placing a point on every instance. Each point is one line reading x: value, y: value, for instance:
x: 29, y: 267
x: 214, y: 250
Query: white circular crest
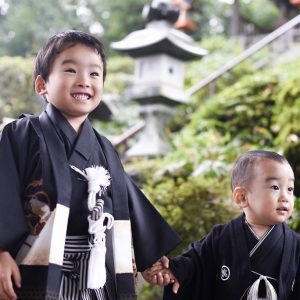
x: 225, y: 273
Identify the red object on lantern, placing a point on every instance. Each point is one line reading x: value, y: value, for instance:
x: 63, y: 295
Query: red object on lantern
x: 183, y: 22
x: 295, y: 2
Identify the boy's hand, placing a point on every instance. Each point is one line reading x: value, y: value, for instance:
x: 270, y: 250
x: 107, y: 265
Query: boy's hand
x: 160, y: 274
x: 150, y: 274
x: 8, y: 271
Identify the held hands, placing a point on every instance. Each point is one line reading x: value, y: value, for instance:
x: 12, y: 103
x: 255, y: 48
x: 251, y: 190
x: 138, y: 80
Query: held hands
x: 9, y: 272
x: 160, y: 274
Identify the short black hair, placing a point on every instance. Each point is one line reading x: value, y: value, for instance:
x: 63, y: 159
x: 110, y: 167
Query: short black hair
x: 60, y: 42
x: 243, y: 166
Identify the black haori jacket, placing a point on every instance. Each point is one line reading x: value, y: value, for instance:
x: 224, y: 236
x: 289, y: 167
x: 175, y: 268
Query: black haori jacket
x: 218, y: 266
x: 137, y: 223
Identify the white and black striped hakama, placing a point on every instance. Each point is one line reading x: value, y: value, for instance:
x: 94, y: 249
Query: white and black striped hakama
x: 74, y: 275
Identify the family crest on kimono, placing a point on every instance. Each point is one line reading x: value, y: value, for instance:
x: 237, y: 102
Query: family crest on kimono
x: 73, y: 225
x: 254, y: 256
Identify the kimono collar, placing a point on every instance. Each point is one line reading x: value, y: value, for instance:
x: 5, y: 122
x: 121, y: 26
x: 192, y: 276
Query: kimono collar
x: 84, y: 140
x: 61, y: 123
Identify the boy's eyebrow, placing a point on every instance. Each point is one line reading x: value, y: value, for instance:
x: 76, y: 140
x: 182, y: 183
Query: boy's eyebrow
x: 277, y: 178
x: 72, y: 61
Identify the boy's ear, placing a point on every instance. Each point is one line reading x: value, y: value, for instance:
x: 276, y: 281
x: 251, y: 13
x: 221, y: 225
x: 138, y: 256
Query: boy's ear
x: 240, y: 197
x: 40, y: 85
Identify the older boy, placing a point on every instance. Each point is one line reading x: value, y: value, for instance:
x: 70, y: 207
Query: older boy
x: 70, y: 216
x: 256, y: 255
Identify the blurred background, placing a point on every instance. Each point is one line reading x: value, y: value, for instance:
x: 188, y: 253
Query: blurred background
x: 240, y: 91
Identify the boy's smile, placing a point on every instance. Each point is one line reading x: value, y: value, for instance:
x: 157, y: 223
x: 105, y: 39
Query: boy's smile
x: 75, y: 83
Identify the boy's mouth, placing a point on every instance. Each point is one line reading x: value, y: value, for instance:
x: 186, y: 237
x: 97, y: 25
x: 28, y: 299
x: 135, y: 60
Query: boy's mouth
x: 81, y: 96
x: 282, y: 208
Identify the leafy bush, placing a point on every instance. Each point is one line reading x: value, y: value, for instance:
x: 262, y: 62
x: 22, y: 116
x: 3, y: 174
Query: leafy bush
x: 17, y: 87
x: 263, y: 18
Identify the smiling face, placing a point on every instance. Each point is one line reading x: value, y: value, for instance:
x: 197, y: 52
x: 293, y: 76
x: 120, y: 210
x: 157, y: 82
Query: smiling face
x: 268, y: 198
x: 75, y: 83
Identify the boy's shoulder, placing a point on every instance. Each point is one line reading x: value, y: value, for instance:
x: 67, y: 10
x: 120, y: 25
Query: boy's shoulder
x: 225, y: 233
x: 292, y: 232
x: 20, y: 128
x: 101, y: 136
x: 220, y: 229
x: 17, y: 124
x: 103, y: 140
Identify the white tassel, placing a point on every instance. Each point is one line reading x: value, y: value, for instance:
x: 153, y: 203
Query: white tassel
x: 98, y: 180
x: 96, y: 269
x: 96, y: 276
x: 270, y: 291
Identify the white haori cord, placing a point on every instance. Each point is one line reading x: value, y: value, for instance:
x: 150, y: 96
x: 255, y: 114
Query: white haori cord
x: 98, y: 180
x: 270, y: 291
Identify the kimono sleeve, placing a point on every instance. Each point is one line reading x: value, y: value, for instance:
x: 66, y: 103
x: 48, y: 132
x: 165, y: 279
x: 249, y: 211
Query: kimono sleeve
x: 194, y: 269
x: 13, y: 227
x: 152, y: 235
x: 296, y: 285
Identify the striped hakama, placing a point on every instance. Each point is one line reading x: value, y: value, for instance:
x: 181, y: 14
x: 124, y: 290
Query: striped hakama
x: 74, y: 275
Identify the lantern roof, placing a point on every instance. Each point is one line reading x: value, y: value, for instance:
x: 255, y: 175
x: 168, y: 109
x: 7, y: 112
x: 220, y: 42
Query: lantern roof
x: 159, y: 37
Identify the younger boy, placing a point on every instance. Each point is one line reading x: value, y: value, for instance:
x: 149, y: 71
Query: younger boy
x: 71, y: 221
x: 256, y: 255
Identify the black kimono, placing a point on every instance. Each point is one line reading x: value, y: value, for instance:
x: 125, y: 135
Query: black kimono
x: 42, y: 200
x: 225, y: 263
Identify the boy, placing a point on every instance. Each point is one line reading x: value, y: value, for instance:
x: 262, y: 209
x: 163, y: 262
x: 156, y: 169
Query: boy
x: 72, y: 222
x: 256, y: 255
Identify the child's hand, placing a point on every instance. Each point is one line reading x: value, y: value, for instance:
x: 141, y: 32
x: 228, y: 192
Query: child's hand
x: 160, y: 274
x: 150, y: 275
x: 8, y: 271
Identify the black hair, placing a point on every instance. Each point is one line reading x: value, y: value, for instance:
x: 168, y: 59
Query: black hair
x: 60, y: 42
x: 243, y: 166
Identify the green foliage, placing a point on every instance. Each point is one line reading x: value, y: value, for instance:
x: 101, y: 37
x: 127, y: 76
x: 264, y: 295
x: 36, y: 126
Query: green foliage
x: 243, y: 112
x: 28, y: 24
x: 288, y: 103
x: 123, y: 17
x: 120, y: 72
x: 191, y: 205
x: 16, y: 87
x: 150, y: 292
x: 295, y: 221
x: 263, y: 13
x: 211, y: 18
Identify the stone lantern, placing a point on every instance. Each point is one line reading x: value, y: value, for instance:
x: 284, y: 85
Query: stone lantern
x: 160, y: 51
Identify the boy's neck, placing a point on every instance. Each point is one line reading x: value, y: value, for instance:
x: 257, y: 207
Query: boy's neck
x: 76, y: 123
x: 259, y: 230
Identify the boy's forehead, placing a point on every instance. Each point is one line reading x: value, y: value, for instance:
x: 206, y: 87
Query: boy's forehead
x: 269, y: 168
x: 76, y: 51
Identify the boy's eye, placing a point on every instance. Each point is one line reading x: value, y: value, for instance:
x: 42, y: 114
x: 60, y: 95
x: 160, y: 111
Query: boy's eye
x: 275, y: 187
x: 95, y: 74
x: 70, y: 71
x: 290, y: 189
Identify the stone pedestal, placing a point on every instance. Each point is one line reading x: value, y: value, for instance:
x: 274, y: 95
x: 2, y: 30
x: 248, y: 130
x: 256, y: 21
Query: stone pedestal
x: 153, y: 140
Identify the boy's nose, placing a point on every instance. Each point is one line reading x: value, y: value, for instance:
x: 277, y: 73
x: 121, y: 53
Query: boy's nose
x: 285, y: 197
x: 84, y: 84
x: 83, y: 81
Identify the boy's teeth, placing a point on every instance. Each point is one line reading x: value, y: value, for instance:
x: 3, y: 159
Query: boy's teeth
x: 81, y: 96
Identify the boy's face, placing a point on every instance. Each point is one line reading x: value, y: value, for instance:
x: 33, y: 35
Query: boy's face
x: 75, y: 82
x: 270, y: 195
